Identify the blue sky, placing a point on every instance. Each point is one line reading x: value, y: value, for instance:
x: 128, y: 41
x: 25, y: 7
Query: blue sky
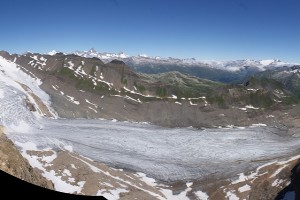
x: 203, y: 29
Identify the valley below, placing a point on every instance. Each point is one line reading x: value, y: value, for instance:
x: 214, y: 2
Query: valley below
x: 114, y: 138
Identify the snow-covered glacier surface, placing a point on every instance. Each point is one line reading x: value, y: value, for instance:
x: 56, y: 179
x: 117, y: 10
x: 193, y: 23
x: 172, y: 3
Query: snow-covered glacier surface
x: 163, y: 153
x: 166, y: 154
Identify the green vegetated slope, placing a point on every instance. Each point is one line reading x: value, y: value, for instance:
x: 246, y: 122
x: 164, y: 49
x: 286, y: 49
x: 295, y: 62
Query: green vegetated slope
x: 203, y: 71
x: 180, y: 85
x: 288, y: 77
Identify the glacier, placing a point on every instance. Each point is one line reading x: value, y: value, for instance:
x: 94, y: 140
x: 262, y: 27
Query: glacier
x: 163, y: 153
x: 167, y: 154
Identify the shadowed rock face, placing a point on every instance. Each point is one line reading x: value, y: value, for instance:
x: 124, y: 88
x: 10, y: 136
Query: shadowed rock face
x: 12, y: 162
x: 262, y: 184
x: 119, y: 62
x: 292, y: 191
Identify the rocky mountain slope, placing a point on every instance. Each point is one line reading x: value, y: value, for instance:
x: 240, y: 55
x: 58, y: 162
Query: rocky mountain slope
x: 12, y: 162
x: 289, y: 77
x: 89, y: 88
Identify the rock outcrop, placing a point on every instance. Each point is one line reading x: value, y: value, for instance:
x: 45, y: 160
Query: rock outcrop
x: 12, y: 162
x: 292, y: 191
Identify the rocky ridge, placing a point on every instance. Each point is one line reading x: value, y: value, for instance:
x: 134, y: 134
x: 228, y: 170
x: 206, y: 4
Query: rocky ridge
x: 89, y: 88
x: 12, y: 162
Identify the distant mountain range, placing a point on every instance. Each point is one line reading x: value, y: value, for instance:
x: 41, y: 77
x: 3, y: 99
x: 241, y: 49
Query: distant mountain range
x: 144, y: 59
x: 224, y: 71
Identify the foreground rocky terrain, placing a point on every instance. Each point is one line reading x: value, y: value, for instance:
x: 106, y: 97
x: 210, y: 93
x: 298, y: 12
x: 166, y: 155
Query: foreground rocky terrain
x: 12, y: 162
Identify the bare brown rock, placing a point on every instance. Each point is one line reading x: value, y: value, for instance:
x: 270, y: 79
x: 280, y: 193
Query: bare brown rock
x: 12, y: 162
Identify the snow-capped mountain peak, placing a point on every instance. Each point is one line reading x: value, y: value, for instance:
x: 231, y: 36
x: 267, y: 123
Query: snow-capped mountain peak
x: 92, y: 50
x: 143, y: 55
x: 106, y: 57
x: 53, y: 52
x: 234, y: 65
x: 269, y: 62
